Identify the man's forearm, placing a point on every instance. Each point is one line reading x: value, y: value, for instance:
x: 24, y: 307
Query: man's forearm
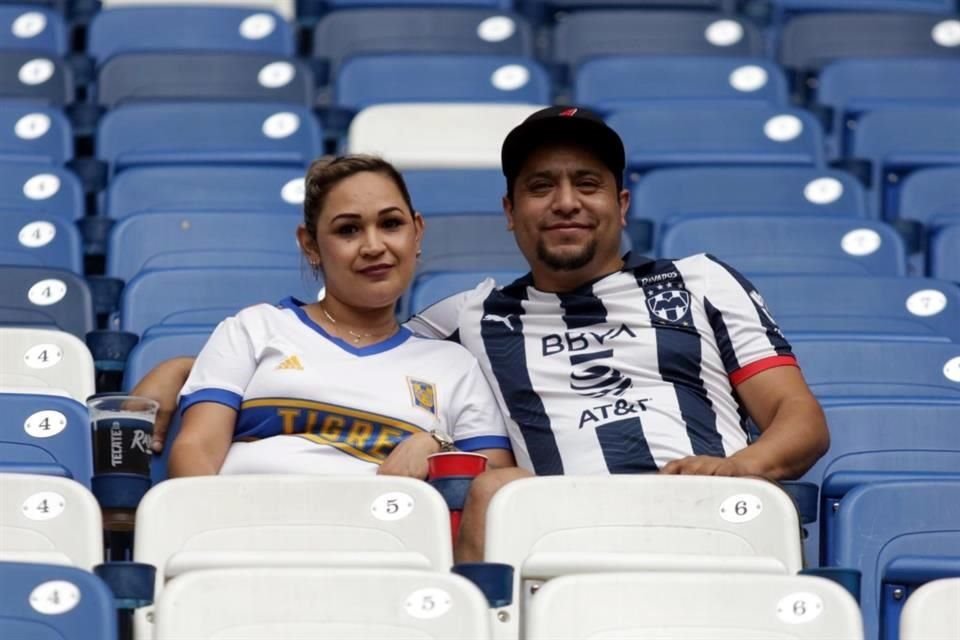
x: 794, y: 441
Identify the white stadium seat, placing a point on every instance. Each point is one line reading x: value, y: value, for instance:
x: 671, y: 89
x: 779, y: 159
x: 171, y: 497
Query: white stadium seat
x: 693, y: 606
x: 307, y: 604
x: 49, y: 520
x: 46, y: 360
x: 932, y: 612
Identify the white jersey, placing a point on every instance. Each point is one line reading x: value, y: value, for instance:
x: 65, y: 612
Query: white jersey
x: 623, y: 374
x: 309, y: 402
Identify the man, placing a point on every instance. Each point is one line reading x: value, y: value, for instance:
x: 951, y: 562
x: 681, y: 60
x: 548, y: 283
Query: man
x: 611, y: 364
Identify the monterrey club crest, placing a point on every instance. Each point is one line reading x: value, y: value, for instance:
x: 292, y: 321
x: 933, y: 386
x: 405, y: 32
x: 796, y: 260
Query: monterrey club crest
x: 670, y: 305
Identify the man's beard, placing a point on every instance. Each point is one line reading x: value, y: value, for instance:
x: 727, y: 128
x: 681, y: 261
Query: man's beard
x: 567, y: 261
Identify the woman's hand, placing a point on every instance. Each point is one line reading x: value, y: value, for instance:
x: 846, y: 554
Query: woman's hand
x: 163, y: 383
x: 409, y: 458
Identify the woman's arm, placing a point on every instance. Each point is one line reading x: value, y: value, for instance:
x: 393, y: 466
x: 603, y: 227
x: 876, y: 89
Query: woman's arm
x: 204, y: 439
x: 163, y: 383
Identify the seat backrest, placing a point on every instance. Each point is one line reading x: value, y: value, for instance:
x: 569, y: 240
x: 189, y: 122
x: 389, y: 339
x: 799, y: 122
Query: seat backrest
x: 47, y: 602
x: 618, y: 82
x: 342, y: 34
x: 878, y: 367
x: 44, y: 296
x: 203, y: 76
x: 286, y: 8
x: 356, y: 604
x: 209, y: 133
x: 550, y: 526
x: 931, y: 196
x: 366, y: 80
x: 908, y: 137
x: 228, y: 239
x: 470, y: 243
x: 919, y: 307
x: 931, y: 612
x: 680, y: 606
x: 51, y: 436
x: 456, y: 191
x: 46, y: 359
x: 32, y: 240
x: 43, y: 79
x: 131, y: 29
x: 30, y: 133
x: 433, y: 136
x: 809, y: 42
x: 375, y: 522
x: 207, y: 295
x: 676, y: 134
x: 880, y: 522
x: 205, y: 188
x: 32, y: 28
x: 589, y: 34
x: 42, y: 190
x: 789, y: 244
x: 944, y: 259
x: 49, y: 520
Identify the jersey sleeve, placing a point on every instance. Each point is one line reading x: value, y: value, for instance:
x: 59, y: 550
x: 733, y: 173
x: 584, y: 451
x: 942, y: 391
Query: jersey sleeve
x: 747, y: 336
x: 476, y: 422
x: 223, y: 368
x: 442, y: 319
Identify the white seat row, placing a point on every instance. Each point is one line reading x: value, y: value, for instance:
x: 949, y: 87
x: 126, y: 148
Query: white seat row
x: 46, y: 361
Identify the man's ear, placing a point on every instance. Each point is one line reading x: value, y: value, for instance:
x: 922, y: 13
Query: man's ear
x: 508, y: 211
x: 624, y: 206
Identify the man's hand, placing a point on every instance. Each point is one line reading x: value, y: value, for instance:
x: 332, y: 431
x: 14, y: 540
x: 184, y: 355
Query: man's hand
x: 163, y: 384
x: 409, y: 458
x: 709, y: 466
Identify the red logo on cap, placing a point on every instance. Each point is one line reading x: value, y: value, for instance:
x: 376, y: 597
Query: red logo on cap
x: 569, y: 112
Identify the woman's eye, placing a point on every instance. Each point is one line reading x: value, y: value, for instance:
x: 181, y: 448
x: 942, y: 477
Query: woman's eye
x: 393, y: 223
x: 346, y: 230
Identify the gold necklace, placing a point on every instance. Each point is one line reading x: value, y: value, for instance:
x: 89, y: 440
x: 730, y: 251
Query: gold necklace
x: 354, y: 336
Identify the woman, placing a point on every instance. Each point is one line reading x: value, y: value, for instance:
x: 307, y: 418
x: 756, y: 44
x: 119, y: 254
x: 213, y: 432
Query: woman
x: 337, y: 386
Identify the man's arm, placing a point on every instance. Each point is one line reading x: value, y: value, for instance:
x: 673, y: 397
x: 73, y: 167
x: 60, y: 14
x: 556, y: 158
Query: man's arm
x: 793, y: 431
x: 163, y: 384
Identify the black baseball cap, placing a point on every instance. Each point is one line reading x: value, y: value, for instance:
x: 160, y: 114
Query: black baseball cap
x: 562, y: 124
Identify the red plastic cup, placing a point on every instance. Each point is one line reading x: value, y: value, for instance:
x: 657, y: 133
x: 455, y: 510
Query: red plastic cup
x: 456, y: 463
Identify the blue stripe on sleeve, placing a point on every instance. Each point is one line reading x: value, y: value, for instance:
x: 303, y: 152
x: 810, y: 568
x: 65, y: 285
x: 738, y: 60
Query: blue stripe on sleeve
x: 220, y: 396
x: 484, y: 442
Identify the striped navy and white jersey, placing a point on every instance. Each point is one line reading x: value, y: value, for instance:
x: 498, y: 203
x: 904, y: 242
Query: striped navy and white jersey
x: 624, y: 374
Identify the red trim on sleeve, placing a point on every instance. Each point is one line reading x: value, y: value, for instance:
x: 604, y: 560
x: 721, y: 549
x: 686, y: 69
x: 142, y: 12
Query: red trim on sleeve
x: 745, y: 373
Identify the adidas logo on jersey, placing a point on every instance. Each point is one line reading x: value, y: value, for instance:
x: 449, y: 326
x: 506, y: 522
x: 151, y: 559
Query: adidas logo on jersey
x: 291, y: 363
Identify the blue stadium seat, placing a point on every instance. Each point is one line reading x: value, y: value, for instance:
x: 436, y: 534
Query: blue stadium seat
x: 208, y: 133
x: 789, y: 244
x: 879, y: 367
x: 204, y: 188
x: 783, y: 8
x: 42, y: 80
x: 151, y: 351
x: 26, y: 27
x: 930, y: 197
x: 944, y: 253
x: 187, y: 29
x: 591, y: 34
x: 505, y: 5
x: 809, y: 42
x: 206, y: 295
x: 675, y: 134
x: 470, y: 243
x: 664, y: 193
x: 561, y: 7
x: 53, y: 602
x: 34, y: 133
x: 874, y: 438
x: 32, y: 241
x: 429, y: 288
x: 852, y: 87
x: 45, y: 191
x: 372, y: 79
x: 619, y: 82
x: 898, y: 534
x: 52, y: 437
x: 455, y: 191
x: 34, y: 296
x: 342, y: 34
x: 899, y: 140
x: 921, y: 307
x: 225, y: 239
x: 140, y: 77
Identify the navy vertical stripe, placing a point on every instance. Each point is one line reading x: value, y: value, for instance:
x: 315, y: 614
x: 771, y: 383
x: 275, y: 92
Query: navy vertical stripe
x: 680, y: 361
x: 504, y: 346
x: 774, y: 335
x: 623, y: 444
x: 725, y: 344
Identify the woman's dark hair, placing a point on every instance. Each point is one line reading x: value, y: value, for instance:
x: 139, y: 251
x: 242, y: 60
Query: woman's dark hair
x: 325, y: 173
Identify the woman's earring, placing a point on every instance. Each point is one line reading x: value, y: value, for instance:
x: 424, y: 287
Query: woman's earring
x: 419, y: 252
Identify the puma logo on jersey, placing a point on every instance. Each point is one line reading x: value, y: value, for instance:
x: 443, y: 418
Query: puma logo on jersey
x: 502, y: 319
x: 291, y: 363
